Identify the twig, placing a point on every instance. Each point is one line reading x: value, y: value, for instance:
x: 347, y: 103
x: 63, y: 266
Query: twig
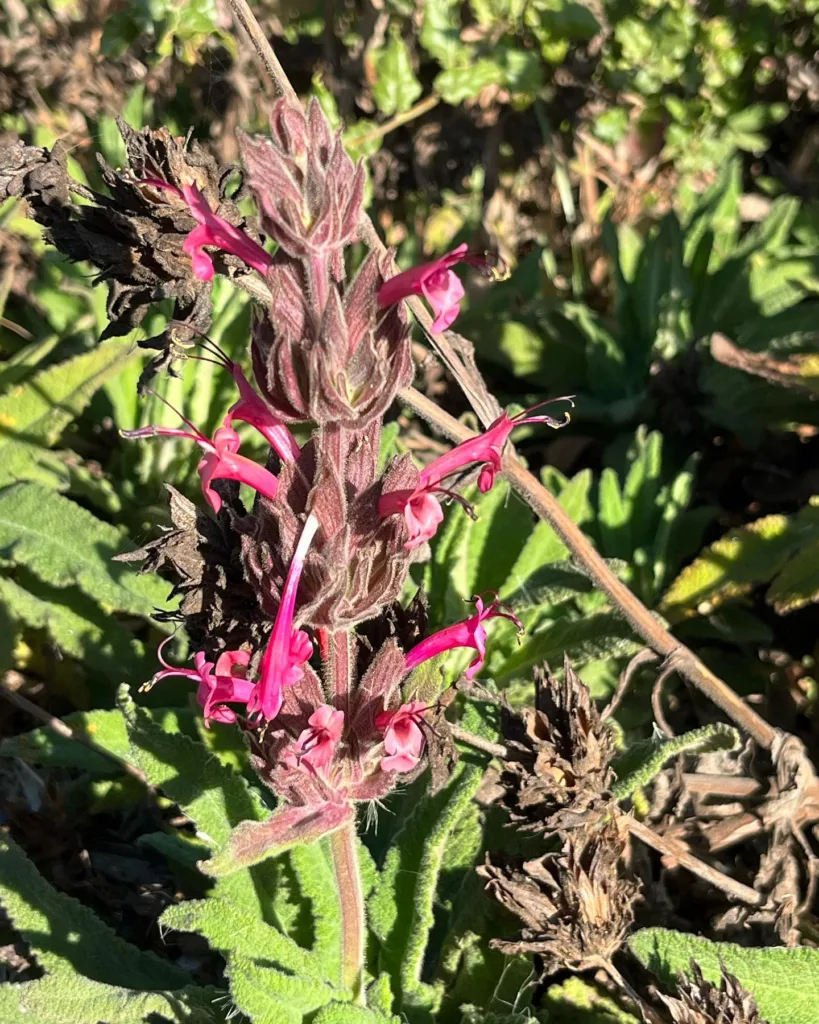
x: 458, y: 355
x: 679, y: 852
x: 421, y: 107
x: 478, y: 742
x: 644, y: 657
x: 61, y: 729
x: 657, y: 701
x: 646, y: 1012
x: 264, y: 51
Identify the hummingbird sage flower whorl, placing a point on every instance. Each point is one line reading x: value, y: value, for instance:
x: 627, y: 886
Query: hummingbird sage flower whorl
x: 421, y: 509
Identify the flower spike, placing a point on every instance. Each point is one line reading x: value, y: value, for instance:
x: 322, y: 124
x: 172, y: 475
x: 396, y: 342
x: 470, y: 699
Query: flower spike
x: 469, y: 633
x: 288, y: 649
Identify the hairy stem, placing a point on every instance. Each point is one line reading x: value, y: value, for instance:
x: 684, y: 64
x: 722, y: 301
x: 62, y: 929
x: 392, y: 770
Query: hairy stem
x: 343, y: 846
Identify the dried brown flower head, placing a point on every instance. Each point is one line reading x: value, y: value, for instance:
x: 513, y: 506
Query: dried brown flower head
x: 701, y: 1002
x: 134, y: 236
x: 576, y: 905
x: 558, y: 774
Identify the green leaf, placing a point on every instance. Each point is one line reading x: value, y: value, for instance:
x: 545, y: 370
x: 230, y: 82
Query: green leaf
x: 210, y: 793
x: 544, y: 546
x: 731, y: 566
x: 77, y: 627
x: 396, y: 87
x: 236, y: 931
x: 784, y: 982
x: 64, y: 545
x: 22, y: 363
x: 105, y: 728
x: 78, y: 1000
x: 587, y: 639
x: 644, y: 761
x: 613, y: 517
x: 318, y: 886
x: 401, y: 906
x: 66, y: 936
x: 440, y: 33
x: 36, y: 413
x: 346, y: 1013
x: 269, y: 996
x: 213, y: 796
x: 461, y: 83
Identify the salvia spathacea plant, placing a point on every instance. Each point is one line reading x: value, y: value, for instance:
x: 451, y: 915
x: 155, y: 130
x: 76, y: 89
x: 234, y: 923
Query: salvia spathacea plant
x: 292, y: 604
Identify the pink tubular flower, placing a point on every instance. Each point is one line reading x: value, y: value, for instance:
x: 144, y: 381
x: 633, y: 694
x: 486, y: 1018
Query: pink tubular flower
x: 221, y: 460
x: 421, y: 509
x: 288, y: 649
x: 438, y: 284
x: 213, y: 230
x: 227, y: 684
x: 469, y: 633
x: 316, y: 745
x: 404, y: 736
x: 251, y: 408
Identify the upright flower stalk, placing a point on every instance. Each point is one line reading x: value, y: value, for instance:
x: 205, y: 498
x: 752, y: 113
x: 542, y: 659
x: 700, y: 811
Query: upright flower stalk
x: 327, y: 546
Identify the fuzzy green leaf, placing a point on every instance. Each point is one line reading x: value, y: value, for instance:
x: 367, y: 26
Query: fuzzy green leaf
x: 64, y: 545
x: 78, y: 1000
x: 644, y: 761
x: 234, y: 931
x: 269, y: 996
x: 401, y: 907
x: 35, y: 413
x: 318, y: 886
x: 210, y: 793
x: 544, y: 546
x: 105, y: 728
x: 587, y: 639
x: 396, y: 87
x: 213, y: 796
x: 784, y: 982
x: 732, y: 566
x: 76, y: 627
x: 66, y: 936
x: 346, y: 1013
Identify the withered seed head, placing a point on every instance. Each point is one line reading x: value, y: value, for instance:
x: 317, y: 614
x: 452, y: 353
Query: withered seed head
x: 134, y: 236
x: 576, y: 905
x: 558, y: 774
x: 701, y: 1002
